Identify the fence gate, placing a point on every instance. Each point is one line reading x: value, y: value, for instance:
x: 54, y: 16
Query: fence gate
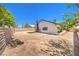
x: 2, y: 41
x: 6, y: 38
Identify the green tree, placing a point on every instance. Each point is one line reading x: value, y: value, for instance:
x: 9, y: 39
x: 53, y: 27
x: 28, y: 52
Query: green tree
x: 71, y: 19
x: 69, y: 23
x: 26, y: 25
x: 67, y: 15
x: 75, y: 14
x: 6, y: 18
x: 72, y: 4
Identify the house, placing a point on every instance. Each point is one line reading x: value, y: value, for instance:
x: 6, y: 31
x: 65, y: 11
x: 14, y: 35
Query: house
x: 77, y: 27
x: 45, y: 26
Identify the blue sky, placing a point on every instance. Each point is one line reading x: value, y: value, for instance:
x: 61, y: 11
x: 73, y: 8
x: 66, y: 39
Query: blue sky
x: 30, y: 12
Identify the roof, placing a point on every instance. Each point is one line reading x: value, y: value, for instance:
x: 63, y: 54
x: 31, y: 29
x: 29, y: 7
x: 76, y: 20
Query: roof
x: 77, y: 27
x: 56, y: 23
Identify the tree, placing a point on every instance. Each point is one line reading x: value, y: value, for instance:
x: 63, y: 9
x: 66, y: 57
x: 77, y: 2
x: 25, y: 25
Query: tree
x: 75, y: 14
x: 69, y: 20
x: 69, y: 23
x: 6, y: 18
x: 26, y: 25
x: 67, y: 15
x: 72, y: 4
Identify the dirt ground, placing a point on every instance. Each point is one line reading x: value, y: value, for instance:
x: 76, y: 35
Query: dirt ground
x: 39, y: 44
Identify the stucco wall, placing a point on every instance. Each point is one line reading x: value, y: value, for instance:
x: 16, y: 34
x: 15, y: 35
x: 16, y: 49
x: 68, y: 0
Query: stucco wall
x: 51, y: 27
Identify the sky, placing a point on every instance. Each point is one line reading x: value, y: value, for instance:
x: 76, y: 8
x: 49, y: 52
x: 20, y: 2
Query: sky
x: 30, y: 12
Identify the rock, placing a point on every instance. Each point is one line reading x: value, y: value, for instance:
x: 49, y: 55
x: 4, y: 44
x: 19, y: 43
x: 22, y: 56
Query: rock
x: 18, y: 42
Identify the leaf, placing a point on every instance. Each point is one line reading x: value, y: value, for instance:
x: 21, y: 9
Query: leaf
x: 8, y: 18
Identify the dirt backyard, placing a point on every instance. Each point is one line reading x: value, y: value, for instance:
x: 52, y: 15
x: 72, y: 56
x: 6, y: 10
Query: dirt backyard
x: 39, y: 44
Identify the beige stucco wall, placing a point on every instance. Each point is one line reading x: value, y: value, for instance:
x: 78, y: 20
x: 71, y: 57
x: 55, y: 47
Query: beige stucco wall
x: 51, y: 27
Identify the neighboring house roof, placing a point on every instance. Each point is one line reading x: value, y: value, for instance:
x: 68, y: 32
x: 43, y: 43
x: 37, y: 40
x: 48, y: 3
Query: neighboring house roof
x: 77, y: 27
x: 32, y: 25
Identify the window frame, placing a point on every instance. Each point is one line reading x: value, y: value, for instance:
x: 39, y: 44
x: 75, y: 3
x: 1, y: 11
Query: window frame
x: 45, y: 28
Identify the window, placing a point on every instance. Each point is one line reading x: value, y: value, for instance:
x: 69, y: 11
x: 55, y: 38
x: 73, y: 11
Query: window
x: 45, y: 28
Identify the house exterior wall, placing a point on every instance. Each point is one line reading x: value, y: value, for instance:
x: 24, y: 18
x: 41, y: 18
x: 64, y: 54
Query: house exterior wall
x: 51, y: 28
